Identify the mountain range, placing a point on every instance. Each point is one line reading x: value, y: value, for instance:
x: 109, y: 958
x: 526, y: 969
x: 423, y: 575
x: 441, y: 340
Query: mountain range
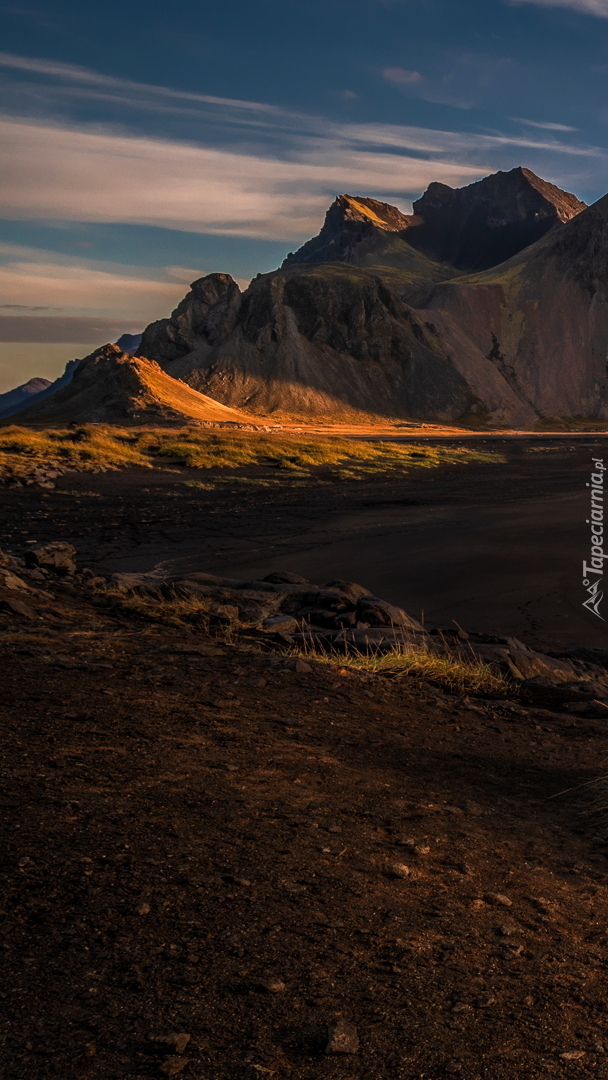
x: 487, y: 305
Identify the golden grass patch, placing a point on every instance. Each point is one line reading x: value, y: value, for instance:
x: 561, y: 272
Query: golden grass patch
x: 90, y: 447
x: 457, y: 675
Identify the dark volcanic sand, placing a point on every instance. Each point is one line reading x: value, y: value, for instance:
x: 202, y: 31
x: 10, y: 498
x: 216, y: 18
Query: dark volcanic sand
x: 496, y: 547
x: 171, y: 853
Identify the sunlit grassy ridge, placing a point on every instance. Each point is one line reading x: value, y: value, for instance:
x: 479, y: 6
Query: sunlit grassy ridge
x: 90, y: 447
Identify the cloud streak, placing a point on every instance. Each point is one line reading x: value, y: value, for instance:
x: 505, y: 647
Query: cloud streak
x: 599, y: 8
x: 94, y: 177
x: 255, y: 170
x: 31, y: 279
x: 401, y: 77
x: 542, y: 126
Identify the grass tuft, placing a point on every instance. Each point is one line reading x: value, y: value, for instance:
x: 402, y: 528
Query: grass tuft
x: 458, y: 676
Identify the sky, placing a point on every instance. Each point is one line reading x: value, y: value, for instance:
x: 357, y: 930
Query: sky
x: 147, y: 144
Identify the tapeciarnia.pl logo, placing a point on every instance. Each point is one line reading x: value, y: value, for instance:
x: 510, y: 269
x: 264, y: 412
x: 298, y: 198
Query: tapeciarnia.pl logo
x: 593, y: 573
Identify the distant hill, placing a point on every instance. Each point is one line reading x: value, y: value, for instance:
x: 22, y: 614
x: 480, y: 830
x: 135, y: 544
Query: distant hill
x: 18, y: 398
x: 32, y: 399
x: 129, y: 342
x: 113, y: 387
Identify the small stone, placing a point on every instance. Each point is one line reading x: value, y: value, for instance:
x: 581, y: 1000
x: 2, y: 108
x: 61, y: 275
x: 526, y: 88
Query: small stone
x: 176, y: 1041
x: 485, y: 1001
x: 343, y: 1038
x: 57, y: 556
x: 17, y: 607
x: 302, y: 667
x: 274, y: 986
x: 283, y: 624
x: 421, y: 849
x: 171, y: 1066
x: 400, y: 870
x: 143, y: 909
x: 498, y: 898
x: 572, y: 1055
x: 11, y: 581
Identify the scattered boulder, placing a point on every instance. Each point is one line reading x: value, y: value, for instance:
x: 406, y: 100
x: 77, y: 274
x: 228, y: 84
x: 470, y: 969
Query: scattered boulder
x: 56, y: 556
x: 10, y: 581
x: 17, y: 607
x: 284, y: 624
x: 342, y: 1038
x: 531, y: 664
x: 378, y: 612
x: 349, y: 589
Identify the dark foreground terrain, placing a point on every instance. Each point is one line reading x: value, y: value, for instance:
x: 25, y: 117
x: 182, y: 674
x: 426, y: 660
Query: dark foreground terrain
x: 498, y: 547
x: 193, y: 884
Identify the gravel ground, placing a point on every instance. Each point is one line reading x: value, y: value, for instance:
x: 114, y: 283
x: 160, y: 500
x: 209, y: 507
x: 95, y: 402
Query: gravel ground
x: 221, y: 867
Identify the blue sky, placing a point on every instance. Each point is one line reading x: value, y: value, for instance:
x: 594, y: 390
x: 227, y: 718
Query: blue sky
x: 146, y: 144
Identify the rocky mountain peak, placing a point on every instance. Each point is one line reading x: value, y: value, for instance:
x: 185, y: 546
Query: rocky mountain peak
x: 351, y: 223
x: 485, y: 223
x: 381, y: 215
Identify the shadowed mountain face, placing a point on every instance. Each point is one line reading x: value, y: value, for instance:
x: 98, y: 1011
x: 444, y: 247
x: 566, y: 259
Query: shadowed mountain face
x: 385, y: 329
x: 479, y: 226
x: 112, y: 387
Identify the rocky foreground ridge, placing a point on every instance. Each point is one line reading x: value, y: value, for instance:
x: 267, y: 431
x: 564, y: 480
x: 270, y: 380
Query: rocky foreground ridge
x: 285, y: 611
x: 365, y: 317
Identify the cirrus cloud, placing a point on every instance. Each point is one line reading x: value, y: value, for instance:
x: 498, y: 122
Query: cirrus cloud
x: 599, y: 8
x: 105, y: 177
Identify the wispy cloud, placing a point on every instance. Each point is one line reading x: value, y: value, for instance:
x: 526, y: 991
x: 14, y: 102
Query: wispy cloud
x: 32, y: 280
x: 400, y: 77
x: 258, y: 171
x: 543, y: 126
x: 598, y: 8
x: 81, y: 75
x: 96, y: 177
